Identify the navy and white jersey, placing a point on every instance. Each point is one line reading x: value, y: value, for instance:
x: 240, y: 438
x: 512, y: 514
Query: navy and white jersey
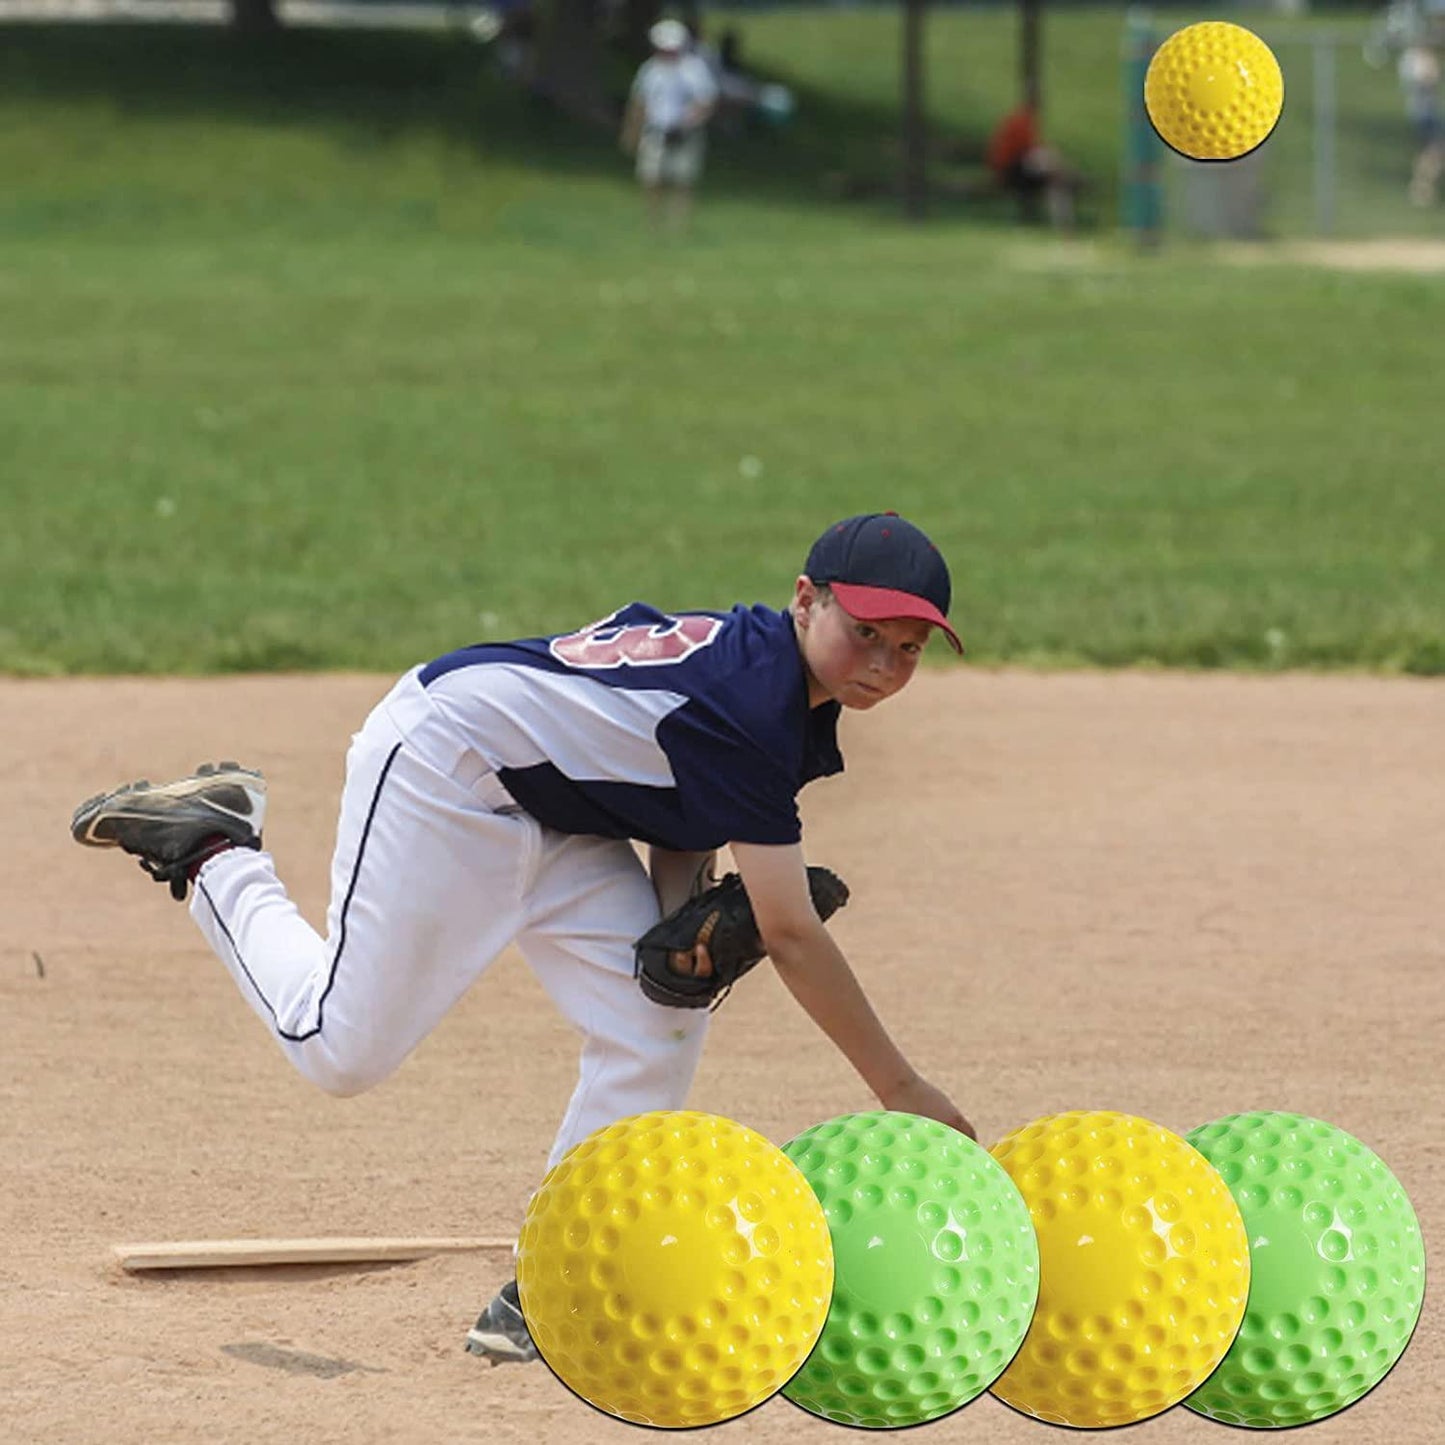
x: 688, y: 731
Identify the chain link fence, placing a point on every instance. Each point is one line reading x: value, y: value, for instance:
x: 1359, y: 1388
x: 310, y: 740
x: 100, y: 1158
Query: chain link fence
x: 1358, y: 152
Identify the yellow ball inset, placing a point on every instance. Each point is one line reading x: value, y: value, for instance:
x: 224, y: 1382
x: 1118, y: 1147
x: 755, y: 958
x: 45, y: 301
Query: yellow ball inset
x: 1213, y: 91
x: 675, y: 1269
x: 1143, y: 1269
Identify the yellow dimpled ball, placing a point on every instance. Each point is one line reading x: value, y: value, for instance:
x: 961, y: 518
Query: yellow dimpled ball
x: 1143, y: 1269
x: 675, y: 1269
x: 1214, y: 91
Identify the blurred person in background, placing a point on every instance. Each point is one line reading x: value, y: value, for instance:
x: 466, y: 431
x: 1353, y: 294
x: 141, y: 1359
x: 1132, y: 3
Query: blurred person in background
x: 673, y: 96
x: 1419, y: 71
x: 1023, y: 165
x: 1413, y: 31
x: 742, y: 96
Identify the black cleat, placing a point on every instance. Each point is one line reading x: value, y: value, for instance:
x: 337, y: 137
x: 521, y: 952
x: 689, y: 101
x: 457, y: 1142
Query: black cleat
x: 171, y: 827
x: 500, y: 1333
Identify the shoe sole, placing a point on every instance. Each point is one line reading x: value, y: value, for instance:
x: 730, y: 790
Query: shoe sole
x: 498, y: 1349
x: 131, y: 799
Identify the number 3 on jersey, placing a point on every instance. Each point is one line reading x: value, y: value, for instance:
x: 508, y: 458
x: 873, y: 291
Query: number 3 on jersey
x: 642, y: 644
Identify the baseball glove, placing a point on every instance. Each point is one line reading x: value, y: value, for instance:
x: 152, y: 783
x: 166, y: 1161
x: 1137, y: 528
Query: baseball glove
x: 722, y: 918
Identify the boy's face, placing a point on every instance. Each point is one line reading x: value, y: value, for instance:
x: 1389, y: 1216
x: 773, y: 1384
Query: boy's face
x: 859, y: 663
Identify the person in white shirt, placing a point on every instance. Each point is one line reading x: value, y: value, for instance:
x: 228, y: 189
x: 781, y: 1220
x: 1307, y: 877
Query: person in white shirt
x: 1419, y: 70
x: 673, y: 95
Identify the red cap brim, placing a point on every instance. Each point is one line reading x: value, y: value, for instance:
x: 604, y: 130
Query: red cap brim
x: 878, y: 604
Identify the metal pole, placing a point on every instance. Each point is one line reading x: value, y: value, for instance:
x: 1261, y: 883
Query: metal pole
x: 1325, y: 114
x: 1031, y: 53
x: 915, y: 126
x: 1143, y: 201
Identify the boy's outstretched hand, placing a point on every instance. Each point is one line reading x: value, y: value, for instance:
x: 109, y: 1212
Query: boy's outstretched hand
x: 918, y: 1096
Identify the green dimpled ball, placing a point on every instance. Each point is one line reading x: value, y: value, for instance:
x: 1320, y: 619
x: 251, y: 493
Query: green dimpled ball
x: 936, y: 1270
x: 1338, y: 1270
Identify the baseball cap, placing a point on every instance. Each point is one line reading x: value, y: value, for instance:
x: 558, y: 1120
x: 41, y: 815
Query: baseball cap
x: 669, y: 35
x: 879, y: 566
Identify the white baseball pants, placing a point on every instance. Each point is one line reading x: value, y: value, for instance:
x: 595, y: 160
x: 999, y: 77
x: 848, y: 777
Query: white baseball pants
x: 435, y: 873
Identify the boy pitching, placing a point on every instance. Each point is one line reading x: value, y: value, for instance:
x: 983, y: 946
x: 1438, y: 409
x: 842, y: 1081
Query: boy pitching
x: 492, y: 797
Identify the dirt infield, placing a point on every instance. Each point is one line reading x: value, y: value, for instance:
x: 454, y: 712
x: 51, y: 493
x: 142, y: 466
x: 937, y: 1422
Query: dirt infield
x: 1417, y: 257
x: 1405, y: 255
x: 1177, y: 896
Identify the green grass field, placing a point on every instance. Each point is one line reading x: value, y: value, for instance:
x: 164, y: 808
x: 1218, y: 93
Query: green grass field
x: 337, y: 353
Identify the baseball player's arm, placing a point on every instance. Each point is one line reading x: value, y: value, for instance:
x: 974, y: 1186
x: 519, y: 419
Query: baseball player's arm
x: 816, y: 973
x: 677, y: 876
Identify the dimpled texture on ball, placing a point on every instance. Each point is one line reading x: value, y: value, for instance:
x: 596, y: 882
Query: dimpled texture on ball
x: 936, y: 1269
x: 1143, y: 1268
x: 1338, y: 1270
x: 1213, y: 91
x: 675, y: 1269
